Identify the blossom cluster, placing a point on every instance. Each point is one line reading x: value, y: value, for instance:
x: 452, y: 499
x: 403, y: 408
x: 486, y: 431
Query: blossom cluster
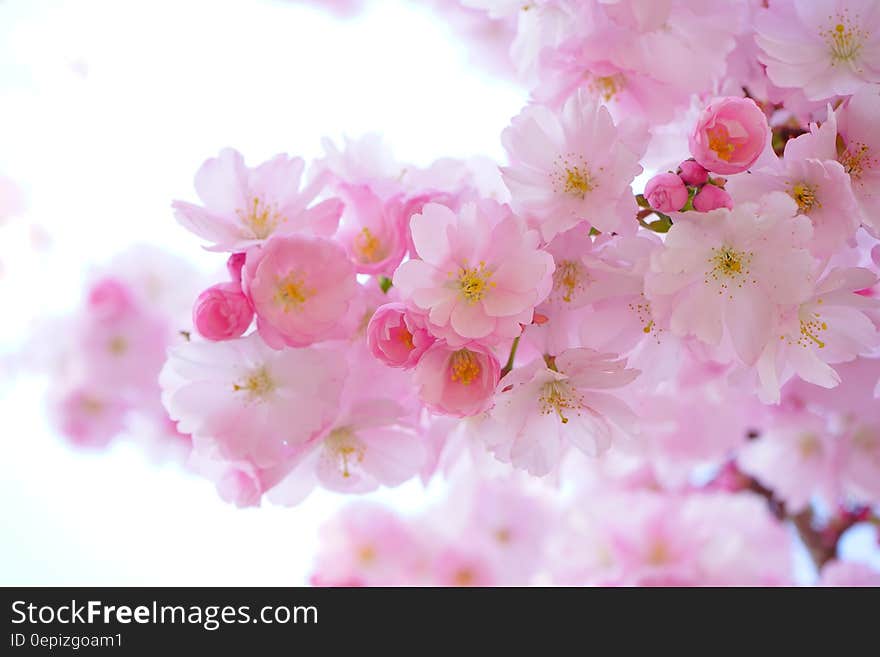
x: 675, y: 270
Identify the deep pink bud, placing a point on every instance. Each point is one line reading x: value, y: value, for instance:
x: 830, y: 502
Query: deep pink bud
x: 693, y: 173
x: 666, y: 192
x: 222, y: 312
x: 711, y: 197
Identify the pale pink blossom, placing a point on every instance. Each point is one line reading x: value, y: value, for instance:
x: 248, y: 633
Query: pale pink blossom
x: 829, y: 327
x: 570, y: 167
x: 729, y: 272
x: 730, y: 134
x: 243, y: 206
x: 457, y: 566
x: 824, y: 47
x: 458, y: 381
x: 89, y: 416
x: 398, y: 337
x: 250, y: 401
x: 300, y: 288
x: 222, y: 312
x: 479, y: 275
x: 796, y: 457
x: 372, y: 231
x: 848, y: 573
x: 367, y: 545
x: 544, y: 408
x: 858, y: 128
x: 820, y: 187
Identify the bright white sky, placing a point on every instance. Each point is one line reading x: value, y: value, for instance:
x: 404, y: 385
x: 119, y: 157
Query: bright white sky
x: 107, y: 108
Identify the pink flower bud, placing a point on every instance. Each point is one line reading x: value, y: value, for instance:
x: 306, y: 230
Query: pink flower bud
x: 666, y: 192
x: 396, y: 337
x: 730, y: 135
x: 234, y: 265
x: 693, y: 174
x: 711, y: 197
x: 222, y: 312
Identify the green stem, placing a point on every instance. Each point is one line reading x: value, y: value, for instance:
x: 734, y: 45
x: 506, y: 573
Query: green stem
x: 509, y: 365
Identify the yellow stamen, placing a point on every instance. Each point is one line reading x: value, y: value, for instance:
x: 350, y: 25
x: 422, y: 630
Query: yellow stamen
x: 368, y: 247
x: 729, y: 267
x: 474, y: 282
x: 464, y: 367
x: 118, y: 345
x: 559, y: 397
x: 809, y: 446
x: 719, y: 141
x: 844, y: 39
x: 343, y: 446
x: 607, y: 86
x: 258, y: 384
x: 572, y: 176
x: 568, y: 278
x: 804, y: 195
x: 261, y: 218
x: 292, y: 291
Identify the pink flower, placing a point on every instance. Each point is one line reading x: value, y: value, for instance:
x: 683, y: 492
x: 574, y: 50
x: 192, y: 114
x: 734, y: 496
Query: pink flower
x: 730, y: 135
x: 397, y: 337
x: 244, y: 207
x: 367, y: 545
x: 731, y: 271
x: 831, y: 326
x: 692, y: 173
x: 570, y: 167
x: 222, y: 312
x: 456, y: 566
x: 848, y: 573
x: 90, y: 417
x: 858, y: 128
x: 251, y: 402
x: 824, y: 47
x: 666, y: 192
x: 711, y: 197
x: 371, y: 232
x: 457, y: 381
x: 300, y: 287
x: 821, y: 189
x: 796, y: 458
x: 543, y: 408
x: 480, y: 275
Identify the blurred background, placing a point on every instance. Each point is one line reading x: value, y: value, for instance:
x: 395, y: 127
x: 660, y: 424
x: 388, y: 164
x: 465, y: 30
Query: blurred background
x: 107, y: 109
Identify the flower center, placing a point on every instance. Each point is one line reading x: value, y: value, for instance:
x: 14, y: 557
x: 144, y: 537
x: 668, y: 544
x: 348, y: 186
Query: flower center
x: 292, y: 291
x: 406, y: 338
x: 117, y: 346
x: 809, y: 445
x: 855, y: 160
x: 642, y: 309
x: 474, y: 282
x: 568, y: 279
x: 804, y: 195
x: 572, y: 176
x: 464, y: 367
x: 607, y: 86
x: 729, y: 267
x: 368, y: 247
x: 559, y: 397
x: 344, y: 447
x: 260, y: 217
x: 719, y: 141
x: 258, y: 384
x: 844, y: 40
